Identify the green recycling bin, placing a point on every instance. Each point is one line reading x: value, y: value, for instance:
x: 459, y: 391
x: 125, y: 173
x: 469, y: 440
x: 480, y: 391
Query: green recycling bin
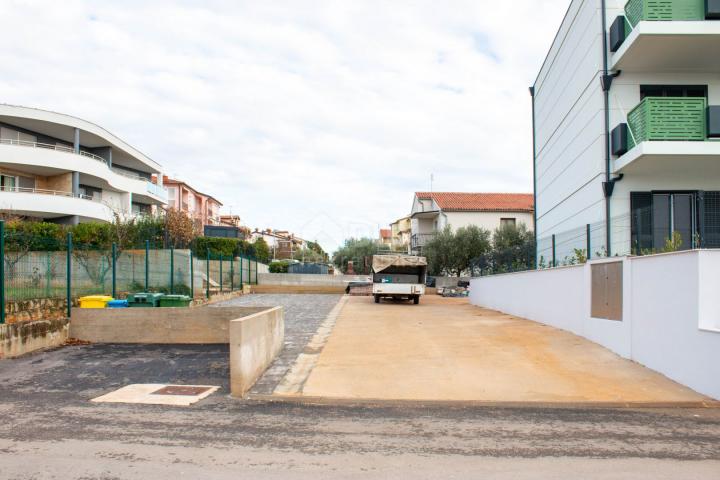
x: 175, y: 301
x: 144, y: 299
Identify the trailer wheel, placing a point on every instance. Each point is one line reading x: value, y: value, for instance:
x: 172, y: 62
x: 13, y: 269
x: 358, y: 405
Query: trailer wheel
x: 377, y: 298
x: 416, y: 299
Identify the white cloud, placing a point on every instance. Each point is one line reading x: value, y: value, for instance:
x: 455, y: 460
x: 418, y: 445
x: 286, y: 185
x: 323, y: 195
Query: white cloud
x: 318, y: 117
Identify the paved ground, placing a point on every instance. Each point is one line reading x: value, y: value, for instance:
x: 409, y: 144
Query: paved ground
x: 50, y: 430
x: 303, y: 316
x: 447, y: 349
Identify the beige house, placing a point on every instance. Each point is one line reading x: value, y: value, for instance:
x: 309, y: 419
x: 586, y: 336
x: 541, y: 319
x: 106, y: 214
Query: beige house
x: 400, y: 233
x: 433, y: 211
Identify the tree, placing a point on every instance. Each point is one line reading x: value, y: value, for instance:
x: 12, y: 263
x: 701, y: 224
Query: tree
x: 180, y: 228
x: 355, y: 250
x: 262, y: 250
x: 513, y: 249
x: 452, y: 253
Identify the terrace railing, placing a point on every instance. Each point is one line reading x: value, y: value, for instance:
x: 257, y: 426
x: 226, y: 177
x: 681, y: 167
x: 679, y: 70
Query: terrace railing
x: 42, y: 191
x: 668, y: 119
x: 664, y: 10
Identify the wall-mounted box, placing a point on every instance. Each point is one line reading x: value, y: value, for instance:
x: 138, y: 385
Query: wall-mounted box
x: 619, y: 140
x: 713, y: 121
x: 617, y: 33
x: 712, y: 9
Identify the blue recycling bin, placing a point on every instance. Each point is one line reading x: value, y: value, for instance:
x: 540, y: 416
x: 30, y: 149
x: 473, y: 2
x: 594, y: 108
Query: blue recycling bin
x: 117, y: 304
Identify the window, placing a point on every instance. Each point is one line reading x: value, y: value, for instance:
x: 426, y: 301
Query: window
x: 673, y: 91
x: 507, y: 222
x: 8, y: 182
x: 656, y: 216
x: 172, y: 191
x: 15, y: 136
x: 93, y: 192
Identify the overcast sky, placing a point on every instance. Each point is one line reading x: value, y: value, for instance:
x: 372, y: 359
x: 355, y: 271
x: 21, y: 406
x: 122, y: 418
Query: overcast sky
x: 318, y: 117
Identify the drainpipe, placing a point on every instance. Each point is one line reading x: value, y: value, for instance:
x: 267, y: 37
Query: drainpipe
x: 532, y: 96
x: 606, y: 82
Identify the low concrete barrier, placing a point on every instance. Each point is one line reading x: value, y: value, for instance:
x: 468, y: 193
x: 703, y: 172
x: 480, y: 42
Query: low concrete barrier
x: 201, y: 325
x: 305, y: 283
x: 255, y: 341
x: 24, y: 337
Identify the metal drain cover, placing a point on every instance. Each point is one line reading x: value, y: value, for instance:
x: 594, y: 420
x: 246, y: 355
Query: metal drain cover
x: 181, y: 390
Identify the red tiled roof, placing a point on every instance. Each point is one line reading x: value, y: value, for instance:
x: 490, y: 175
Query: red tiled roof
x: 385, y: 233
x: 480, y: 202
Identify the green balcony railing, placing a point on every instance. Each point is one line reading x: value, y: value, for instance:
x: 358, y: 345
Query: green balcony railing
x: 664, y: 10
x: 668, y: 118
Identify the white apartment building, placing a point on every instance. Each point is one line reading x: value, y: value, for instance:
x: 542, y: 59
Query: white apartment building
x: 64, y: 169
x: 432, y: 211
x: 626, y: 116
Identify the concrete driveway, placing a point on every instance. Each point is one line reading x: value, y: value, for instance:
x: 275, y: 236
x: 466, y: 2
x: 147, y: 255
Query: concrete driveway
x: 447, y: 349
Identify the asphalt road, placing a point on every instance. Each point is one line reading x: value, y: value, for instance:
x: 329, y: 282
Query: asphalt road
x: 50, y: 430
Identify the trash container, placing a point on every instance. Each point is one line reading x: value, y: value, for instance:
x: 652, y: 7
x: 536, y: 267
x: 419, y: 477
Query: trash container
x: 175, y: 301
x: 94, y: 301
x: 144, y: 299
x: 117, y: 304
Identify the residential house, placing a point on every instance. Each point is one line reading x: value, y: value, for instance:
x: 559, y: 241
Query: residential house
x: 202, y: 208
x: 283, y: 244
x: 385, y: 237
x: 433, y: 211
x: 63, y: 169
x: 401, y: 230
x: 626, y: 113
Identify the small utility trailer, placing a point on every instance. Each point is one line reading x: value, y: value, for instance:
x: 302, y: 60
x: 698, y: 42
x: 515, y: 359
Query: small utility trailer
x: 400, y: 277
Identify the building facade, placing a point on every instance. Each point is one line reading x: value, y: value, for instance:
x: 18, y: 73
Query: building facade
x: 283, y: 244
x: 626, y: 120
x: 204, y: 209
x: 433, y: 211
x: 401, y: 230
x: 63, y: 169
x: 385, y: 237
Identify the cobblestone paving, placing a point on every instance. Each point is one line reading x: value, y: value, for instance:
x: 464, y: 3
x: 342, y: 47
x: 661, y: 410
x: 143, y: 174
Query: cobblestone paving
x: 303, y: 316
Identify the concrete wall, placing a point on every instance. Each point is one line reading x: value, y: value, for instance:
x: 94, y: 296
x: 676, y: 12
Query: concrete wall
x: 255, y: 341
x: 25, y: 337
x: 201, y: 325
x: 305, y: 283
x: 671, y: 310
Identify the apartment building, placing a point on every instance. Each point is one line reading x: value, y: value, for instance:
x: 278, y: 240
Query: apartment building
x: 433, y: 211
x: 385, y: 237
x: 283, y: 244
x: 401, y: 230
x: 63, y: 169
x: 626, y: 116
x: 204, y: 209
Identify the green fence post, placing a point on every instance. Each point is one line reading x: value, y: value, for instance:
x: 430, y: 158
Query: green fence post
x: 242, y: 280
x: 587, y: 236
x: 114, y: 269
x: 172, y: 270
x: 207, y: 274
x: 232, y: 274
x: 221, y: 259
x: 68, y: 273
x: 147, y: 265
x: 192, y: 276
x: 554, y: 264
x: 2, y: 271
x: 256, y: 271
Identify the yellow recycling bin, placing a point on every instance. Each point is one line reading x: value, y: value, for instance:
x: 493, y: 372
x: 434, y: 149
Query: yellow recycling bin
x: 95, y: 301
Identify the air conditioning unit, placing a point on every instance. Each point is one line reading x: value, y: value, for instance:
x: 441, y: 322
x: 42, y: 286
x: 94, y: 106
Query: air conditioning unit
x: 619, y: 140
x: 617, y: 33
x: 712, y: 9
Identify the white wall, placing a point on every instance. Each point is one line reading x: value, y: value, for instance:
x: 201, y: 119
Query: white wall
x: 487, y: 220
x: 671, y: 311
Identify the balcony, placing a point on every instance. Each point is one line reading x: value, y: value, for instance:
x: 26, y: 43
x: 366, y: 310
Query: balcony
x: 419, y: 240
x: 666, y: 35
x: 35, y: 202
x: 669, y: 134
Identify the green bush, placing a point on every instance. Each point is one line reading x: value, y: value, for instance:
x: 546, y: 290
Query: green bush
x: 280, y: 266
x: 227, y: 247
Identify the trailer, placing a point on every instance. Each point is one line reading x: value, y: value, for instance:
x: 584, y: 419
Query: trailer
x: 400, y: 277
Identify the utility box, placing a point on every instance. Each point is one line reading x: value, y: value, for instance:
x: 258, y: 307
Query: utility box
x: 619, y: 140
x: 144, y: 299
x: 174, y: 301
x: 713, y: 121
x: 617, y: 33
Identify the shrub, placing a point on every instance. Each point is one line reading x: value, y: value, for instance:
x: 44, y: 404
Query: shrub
x: 227, y: 247
x: 280, y: 266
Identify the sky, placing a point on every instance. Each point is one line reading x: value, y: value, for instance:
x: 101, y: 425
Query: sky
x: 318, y: 117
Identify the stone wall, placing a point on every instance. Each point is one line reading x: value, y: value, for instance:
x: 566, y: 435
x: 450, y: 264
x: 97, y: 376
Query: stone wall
x: 25, y: 337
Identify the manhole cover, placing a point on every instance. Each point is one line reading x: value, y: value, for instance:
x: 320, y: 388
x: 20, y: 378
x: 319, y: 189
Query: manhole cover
x: 181, y: 390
